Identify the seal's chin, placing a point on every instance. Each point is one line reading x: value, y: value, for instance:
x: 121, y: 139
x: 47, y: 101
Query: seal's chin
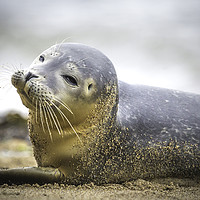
x: 26, y: 100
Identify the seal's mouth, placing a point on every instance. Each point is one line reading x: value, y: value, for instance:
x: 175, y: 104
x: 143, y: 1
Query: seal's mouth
x: 30, y: 76
x: 26, y: 100
x: 19, y: 81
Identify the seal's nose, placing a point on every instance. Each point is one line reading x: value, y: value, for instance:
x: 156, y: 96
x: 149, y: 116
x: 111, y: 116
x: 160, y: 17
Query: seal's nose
x: 30, y: 76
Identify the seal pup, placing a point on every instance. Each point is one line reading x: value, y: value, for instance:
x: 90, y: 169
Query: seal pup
x: 86, y: 126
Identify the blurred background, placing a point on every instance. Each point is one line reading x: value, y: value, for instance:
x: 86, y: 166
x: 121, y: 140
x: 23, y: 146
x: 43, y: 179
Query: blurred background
x: 153, y: 42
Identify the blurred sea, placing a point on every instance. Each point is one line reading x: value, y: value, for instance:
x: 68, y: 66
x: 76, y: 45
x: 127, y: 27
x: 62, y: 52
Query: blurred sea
x: 153, y: 42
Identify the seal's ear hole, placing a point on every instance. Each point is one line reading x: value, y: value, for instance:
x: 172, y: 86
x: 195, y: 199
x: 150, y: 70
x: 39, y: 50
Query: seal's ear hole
x: 90, y: 86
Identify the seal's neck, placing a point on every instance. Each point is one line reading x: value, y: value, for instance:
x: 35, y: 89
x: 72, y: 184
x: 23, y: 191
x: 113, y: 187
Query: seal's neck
x: 102, y: 120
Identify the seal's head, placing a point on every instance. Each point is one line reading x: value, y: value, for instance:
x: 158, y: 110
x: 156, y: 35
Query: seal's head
x: 65, y: 84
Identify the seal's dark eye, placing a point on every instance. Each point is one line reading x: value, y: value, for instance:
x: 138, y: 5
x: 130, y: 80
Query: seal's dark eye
x: 41, y: 58
x: 70, y: 80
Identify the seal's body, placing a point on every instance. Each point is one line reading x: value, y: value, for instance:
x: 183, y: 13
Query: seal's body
x: 159, y: 113
x: 160, y: 130
x: 91, y: 127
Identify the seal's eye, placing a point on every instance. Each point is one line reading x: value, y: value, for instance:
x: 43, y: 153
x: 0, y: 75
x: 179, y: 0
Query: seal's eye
x: 70, y: 80
x: 41, y: 58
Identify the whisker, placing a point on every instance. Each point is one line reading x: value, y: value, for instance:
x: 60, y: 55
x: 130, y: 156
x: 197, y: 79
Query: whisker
x: 54, y: 49
x: 5, y: 82
x: 21, y: 67
x: 8, y: 68
x: 67, y: 38
x: 41, y: 115
x: 59, y: 126
x: 81, y: 60
x: 15, y: 68
x: 36, y: 110
x: 49, y: 116
x: 5, y: 74
x: 5, y: 90
x: 5, y: 86
x: 5, y: 79
x: 55, y: 120
x: 46, y: 119
x: 5, y: 70
x: 61, y: 113
x: 62, y: 42
x: 62, y: 103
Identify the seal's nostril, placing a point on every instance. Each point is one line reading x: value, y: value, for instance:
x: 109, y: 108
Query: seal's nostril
x: 30, y: 76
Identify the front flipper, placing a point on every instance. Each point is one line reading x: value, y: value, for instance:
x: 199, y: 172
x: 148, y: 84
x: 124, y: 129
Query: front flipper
x: 31, y: 175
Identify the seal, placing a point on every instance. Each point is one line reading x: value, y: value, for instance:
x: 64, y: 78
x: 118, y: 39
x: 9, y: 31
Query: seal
x: 86, y: 126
